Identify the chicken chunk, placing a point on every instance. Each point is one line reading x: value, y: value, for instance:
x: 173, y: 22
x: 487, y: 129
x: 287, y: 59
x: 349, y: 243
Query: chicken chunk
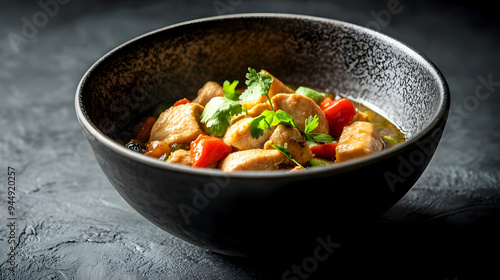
x: 358, y: 139
x: 178, y: 124
x: 180, y: 156
x: 239, y: 136
x: 255, y: 159
x: 300, y: 108
x: 258, y: 109
x: 207, y: 92
x: 291, y: 139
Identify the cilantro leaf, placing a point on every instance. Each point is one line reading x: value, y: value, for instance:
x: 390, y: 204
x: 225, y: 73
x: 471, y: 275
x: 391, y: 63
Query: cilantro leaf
x: 258, y: 84
x: 283, y: 117
x: 287, y: 153
x: 230, y: 90
x: 314, y: 138
x: 270, y: 118
x: 259, y: 124
x: 217, y: 114
x: 311, y: 123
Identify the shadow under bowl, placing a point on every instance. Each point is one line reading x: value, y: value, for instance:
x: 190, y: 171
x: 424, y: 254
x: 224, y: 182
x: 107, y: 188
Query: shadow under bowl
x: 262, y: 213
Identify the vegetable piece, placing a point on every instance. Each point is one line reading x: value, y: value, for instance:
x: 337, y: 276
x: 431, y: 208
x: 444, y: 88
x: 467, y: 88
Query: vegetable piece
x: 339, y: 113
x: 258, y: 85
x: 206, y: 150
x: 319, y: 162
x: 157, y: 149
x: 230, y: 91
x: 311, y: 93
x: 325, y: 103
x: 182, y: 101
x: 390, y: 139
x: 287, y: 153
x: 324, y: 150
x: 218, y: 112
x: 145, y: 130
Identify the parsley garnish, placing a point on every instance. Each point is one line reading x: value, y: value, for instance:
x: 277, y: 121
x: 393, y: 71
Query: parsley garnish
x: 287, y: 153
x: 259, y: 124
x: 314, y: 138
x: 258, y: 84
x: 270, y: 118
x: 218, y: 112
x: 230, y: 91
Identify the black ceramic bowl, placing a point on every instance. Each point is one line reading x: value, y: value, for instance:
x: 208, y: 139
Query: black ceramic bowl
x: 257, y: 213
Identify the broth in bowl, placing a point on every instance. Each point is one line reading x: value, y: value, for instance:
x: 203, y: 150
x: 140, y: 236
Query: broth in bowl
x: 265, y: 125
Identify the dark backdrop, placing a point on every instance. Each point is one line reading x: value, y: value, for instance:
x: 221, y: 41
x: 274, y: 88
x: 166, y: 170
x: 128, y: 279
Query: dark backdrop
x: 71, y: 223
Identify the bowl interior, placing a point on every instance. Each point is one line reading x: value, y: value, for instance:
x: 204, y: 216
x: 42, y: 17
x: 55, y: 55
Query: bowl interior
x: 174, y: 62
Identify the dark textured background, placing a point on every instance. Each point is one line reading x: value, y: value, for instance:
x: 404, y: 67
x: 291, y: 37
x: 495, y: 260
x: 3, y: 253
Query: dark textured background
x: 72, y: 224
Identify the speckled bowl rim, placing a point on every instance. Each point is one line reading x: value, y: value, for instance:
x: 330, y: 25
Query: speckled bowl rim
x: 441, y: 113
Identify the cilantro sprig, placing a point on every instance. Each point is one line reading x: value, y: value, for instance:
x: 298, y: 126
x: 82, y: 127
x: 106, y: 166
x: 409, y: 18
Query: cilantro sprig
x: 230, y: 91
x: 258, y: 84
x: 315, y: 138
x: 219, y: 110
x: 271, y: 118
x: 268, y: 119
x: 287, y: 153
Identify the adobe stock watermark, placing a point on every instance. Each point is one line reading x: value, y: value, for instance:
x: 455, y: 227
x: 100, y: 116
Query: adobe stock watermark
x: 407, y: 165
x: 225, y: 6
x: 39, y: 19
x: 458, y: 112
x: 382, y: 18
x: 202, y: 199
x: 310, y: 264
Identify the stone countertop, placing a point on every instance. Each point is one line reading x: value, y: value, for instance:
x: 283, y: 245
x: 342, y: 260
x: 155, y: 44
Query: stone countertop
x: 68, y: 222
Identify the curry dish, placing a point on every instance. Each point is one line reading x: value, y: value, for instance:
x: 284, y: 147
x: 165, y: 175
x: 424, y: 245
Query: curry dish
x: 264, y: 125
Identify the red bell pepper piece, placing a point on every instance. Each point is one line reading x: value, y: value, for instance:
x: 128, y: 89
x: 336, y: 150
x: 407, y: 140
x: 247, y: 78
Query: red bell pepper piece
x: 206, y: 150
x: 145, y: 131
x: 324, y: 150
x: 325, y: 103
x: 339, y: 113
x: 182, y: 101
